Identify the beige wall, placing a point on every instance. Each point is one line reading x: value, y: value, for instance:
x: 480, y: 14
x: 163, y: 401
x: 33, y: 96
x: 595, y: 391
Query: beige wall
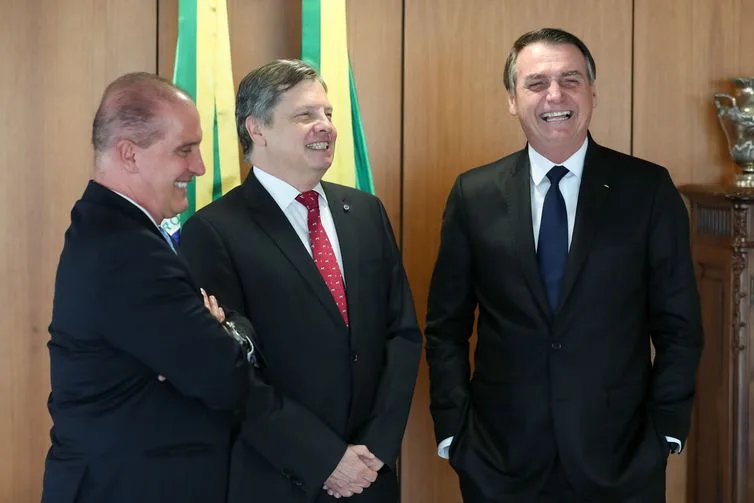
x: 57, y: 57
x: 429, y: 79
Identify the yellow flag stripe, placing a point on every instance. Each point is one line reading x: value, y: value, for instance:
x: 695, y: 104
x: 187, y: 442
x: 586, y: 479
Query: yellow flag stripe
x: 206, y: 41
x: 226, y: 104
x: 334, y: 68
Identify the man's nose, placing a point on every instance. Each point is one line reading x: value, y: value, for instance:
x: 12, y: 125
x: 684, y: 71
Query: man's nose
x: 198, y: 166
x: 553, y: 93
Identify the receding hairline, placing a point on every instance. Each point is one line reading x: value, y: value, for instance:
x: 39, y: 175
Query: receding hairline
x: 132, y: 107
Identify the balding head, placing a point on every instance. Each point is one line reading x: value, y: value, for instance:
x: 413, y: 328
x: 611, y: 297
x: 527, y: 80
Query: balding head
x: 131, y: 110
x: 146, y: 136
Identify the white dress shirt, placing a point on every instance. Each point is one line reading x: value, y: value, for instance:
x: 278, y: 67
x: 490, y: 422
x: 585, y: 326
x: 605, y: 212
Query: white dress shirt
x: 284, y: 195
x: 539, y: 184
x: 569, y: 186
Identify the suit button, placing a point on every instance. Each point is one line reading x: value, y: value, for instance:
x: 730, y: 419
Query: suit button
x: 354, y: 357
x: 556, y: 346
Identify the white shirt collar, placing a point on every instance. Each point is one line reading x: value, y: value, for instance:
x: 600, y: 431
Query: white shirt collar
x: 282, y: 192
x: 138, y: 206
x: 540, y: 165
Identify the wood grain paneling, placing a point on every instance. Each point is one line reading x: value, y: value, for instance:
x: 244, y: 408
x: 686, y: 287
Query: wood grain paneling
x: 374, y: 45
x: 57, y: 58
x: 685, y: 52
x: 456, y: 118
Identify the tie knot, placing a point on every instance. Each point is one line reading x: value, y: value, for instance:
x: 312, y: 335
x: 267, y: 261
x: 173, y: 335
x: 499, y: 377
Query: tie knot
x: 310, y: 199
x: 556, y: 174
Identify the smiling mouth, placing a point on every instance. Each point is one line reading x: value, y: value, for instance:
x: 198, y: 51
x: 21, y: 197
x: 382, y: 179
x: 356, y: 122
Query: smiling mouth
x: 181, y: 185
x: 556, y: 116
x: 320, y: 145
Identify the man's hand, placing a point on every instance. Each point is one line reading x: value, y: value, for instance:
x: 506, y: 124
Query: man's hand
x: 353, y: 474
x: 210, y: 302
x: 372, y: 462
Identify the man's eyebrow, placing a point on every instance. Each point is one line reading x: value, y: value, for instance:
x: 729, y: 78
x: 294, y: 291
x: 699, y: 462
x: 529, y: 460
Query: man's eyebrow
x: 535, y: 76
x: 541, y: 76
x: 188, y: 144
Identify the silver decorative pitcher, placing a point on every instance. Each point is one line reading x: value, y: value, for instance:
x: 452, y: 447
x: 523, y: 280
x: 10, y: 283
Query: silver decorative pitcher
x: 736, y: 114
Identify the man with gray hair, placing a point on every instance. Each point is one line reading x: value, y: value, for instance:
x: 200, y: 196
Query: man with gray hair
x: 145, y: 380
x: 575, y: 257
x: 315, y: 267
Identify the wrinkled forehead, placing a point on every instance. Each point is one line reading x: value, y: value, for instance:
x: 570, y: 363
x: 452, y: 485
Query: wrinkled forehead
x: 306, y: 94
x: 550, y: 60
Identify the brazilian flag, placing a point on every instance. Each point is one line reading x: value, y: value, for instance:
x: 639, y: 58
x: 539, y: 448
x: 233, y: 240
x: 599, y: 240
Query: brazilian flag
x: 324, y: 44
x: 203, y: 69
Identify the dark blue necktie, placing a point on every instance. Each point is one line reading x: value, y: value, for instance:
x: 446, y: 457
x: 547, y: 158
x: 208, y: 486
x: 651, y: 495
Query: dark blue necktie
x: 167, y: 238
x: 552, y: 246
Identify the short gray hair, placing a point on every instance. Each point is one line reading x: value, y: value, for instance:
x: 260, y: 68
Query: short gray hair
x: 552, y: 36
x: 260, y: 91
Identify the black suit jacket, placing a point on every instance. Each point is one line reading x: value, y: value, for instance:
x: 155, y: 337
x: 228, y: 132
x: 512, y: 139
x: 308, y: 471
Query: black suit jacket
x: 326, y: 385
x: 125, y: 310
x: 578, y: 381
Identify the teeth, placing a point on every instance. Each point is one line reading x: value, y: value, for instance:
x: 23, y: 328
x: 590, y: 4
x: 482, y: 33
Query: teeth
x: 181, y: 185
x: 556, y: 116
x: 322, y: 145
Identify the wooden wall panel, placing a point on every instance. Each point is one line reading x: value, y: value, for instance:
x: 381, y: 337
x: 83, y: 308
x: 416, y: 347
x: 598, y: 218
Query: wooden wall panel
x: 456, y: 118
x: 57, y: 58
x: 374, y: 45
x: 685, y: 52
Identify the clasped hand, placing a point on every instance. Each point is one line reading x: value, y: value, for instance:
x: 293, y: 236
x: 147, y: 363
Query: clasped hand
x: 356, y: 471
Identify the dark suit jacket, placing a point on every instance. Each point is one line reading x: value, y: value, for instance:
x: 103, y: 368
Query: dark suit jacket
x: 327, y: 386
x: 125, y: 310
x: 579, y: 381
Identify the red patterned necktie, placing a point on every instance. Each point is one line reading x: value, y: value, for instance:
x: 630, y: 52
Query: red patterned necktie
x: 322, y: 252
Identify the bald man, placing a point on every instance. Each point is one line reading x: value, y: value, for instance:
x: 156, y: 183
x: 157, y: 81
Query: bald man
x: 145, y: 379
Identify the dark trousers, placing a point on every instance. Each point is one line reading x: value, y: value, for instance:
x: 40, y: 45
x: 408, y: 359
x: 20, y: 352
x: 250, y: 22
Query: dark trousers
x: 557, y: 489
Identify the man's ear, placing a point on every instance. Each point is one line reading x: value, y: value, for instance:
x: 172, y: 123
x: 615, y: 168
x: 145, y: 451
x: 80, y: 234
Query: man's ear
x: 255, y: 128
x: 125, y: 153
x: 512, y: 105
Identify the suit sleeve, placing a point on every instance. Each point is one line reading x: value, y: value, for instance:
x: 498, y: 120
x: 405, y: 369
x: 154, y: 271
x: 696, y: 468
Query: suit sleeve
x: 450, y: 319
x: 292, y: 439
x: 152, y: 311
x: 384, y: 432
x: 675, y: 319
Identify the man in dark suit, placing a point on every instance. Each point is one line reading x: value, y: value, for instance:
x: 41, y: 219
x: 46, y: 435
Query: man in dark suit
x: 576, y: 257
x: 144, y: 378
x: 315, y: 267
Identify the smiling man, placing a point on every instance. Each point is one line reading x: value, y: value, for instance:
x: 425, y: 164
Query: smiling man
x: 315, y: 266
x: 576, y: 257
x: 145, y: 380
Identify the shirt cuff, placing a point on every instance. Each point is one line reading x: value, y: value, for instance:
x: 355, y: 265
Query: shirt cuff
x: 677, y: 445
x: 443, y: 448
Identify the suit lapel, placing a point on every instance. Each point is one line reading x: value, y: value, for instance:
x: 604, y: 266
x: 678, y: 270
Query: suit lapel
x: 518, y: 189
x: 273, y: 222
x: 343, y: 216
x: 595, y: 183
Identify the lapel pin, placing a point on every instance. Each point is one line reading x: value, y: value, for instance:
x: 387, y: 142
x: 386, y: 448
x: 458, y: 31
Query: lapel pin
x: 606, y: 186
x: 346, y: 207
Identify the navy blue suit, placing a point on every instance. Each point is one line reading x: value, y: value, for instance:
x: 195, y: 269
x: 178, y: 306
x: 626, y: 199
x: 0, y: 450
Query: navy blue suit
x: 125, y: 311
x: 571, y: 385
